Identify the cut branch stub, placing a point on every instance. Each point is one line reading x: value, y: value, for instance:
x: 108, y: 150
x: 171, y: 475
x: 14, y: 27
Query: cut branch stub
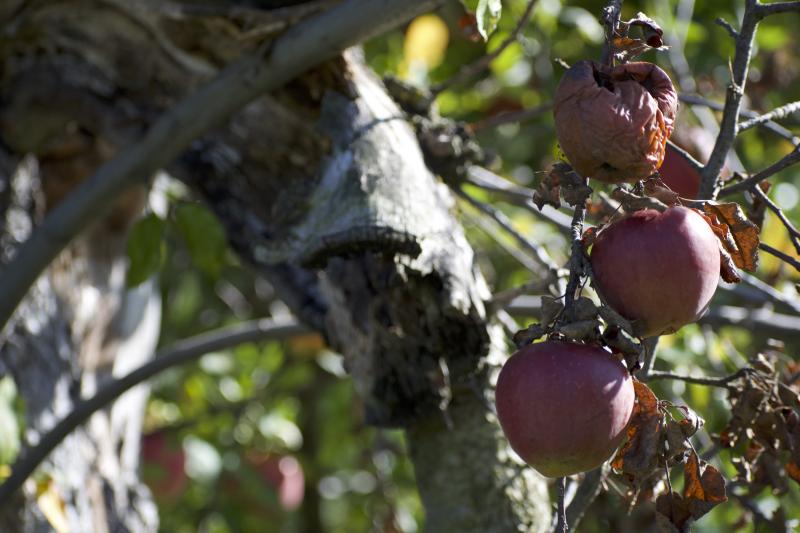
x: 613, y: 124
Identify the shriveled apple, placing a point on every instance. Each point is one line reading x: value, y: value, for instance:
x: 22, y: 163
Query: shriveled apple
x: 564, y: 406
x: 613, y: 123
x: 659, y: 270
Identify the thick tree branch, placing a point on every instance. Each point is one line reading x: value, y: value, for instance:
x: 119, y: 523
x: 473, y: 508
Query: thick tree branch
x: 182, y: 352
x: 303, y: 46
x: 733, y: 100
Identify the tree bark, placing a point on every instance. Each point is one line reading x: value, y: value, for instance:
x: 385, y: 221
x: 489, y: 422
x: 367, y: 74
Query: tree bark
x: 323, y: 188
x: 59, y: 347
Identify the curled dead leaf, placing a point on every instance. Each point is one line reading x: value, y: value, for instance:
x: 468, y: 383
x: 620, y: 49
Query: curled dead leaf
x: 704, y: 486
x: 736, y: 232
x: 638, y: 457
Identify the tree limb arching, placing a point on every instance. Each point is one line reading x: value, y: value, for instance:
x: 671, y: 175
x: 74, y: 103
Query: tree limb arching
x: 181, y: 352
x: 303, y: 46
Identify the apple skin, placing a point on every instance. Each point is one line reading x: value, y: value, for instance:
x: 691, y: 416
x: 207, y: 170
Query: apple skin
x: 679, y: 175
x: 163, y: 463
x: 564, y: 406
x: 659, y: 270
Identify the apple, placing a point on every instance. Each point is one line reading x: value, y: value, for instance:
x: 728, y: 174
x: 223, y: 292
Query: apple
x: 564, y: 406
x: 613, y: 123
x: 163, y: 465
x: 658, y: 270
x: 679, y: 175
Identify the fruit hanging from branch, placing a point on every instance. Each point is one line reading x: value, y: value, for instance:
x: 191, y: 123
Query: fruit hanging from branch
x: 564, y: 406
x: 656, y: 269
x: 613, y: 123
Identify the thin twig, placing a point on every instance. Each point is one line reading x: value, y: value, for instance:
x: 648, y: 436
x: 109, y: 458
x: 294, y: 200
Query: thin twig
x: 774, y: 127
x: 547, y: 265
x: 476, y: 67
x: 576, y: 263
x: 562, y: 526
x: 722, y: 382
x: 611, y: 14
x: 733, y: 100
x: 776, y: 8
x: 789, y: 159
x: 587, y: 491
x: 306, y: 44
x: 762, y: 321
x: 513, y: 117
x: 786, y: 258
x: 794, y: 234
x: 776, y: 114
x: 694, y: 163
x: 181, y: 352
x: 518, y: 195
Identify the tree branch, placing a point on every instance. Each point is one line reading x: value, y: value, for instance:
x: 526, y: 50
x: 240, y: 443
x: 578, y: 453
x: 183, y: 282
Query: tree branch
x: 774, y: 127
x: 776, y: 114
x: 777, y: 8
x: 182, y: 352
x: 733, y: 100
x: 585, y: 495
x: 786, y: 258
x: 789, y: 159
x: 475, y: 68
x: 699, y: 380
x: 548, y: 268
x: 518, y: 195
x: 301, y: 47
x: 794, y: 234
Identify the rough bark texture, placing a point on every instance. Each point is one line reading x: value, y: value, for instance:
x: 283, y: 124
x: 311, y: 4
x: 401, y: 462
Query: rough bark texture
x: 323, y: 189
x: 57, y: 348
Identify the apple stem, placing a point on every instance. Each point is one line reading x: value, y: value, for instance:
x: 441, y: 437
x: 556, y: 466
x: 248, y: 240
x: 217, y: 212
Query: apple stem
x: 562, y: 526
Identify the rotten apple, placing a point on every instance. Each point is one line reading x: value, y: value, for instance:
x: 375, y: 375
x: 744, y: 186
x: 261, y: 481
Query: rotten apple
x: 656, y: 269
x: 613, y: 123
x: 564, y: 406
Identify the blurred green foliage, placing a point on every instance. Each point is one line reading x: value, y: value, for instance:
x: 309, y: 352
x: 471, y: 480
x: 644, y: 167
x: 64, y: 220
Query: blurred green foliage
x: 292, y: 398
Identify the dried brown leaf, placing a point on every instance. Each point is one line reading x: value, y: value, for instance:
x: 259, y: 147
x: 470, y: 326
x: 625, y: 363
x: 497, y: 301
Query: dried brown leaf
x: 548, y: 192
x: 638, y: 457
x: 704, y: 486
x: 793, y: 471
x: 673, y: 513
x: 551, y: 308
x: 740, y: 234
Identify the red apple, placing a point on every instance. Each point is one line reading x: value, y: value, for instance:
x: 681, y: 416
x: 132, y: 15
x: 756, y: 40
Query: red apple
x: 564, y: 406
x: 659, y: 270
x: 163, y: 462
x: 679, y: 175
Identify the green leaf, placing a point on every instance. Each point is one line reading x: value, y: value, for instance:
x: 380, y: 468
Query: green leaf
x: 146, y: 249
x: 204, y: 236
x: 9, y: 427
x: 487, y: 12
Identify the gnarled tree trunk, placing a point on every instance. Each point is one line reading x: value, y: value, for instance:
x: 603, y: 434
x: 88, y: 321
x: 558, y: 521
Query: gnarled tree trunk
x: 323, y: 188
